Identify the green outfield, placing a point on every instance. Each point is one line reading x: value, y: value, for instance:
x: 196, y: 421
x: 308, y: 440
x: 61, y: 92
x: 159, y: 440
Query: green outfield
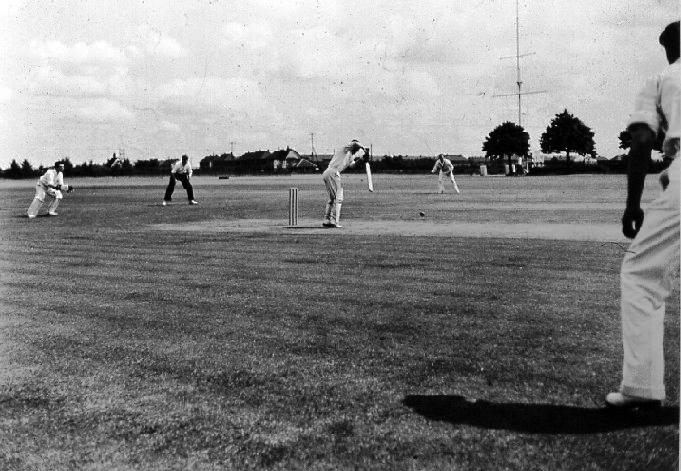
x: 481, y: 335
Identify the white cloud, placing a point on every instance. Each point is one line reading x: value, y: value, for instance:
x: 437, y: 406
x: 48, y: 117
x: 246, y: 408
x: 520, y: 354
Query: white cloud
x: 48, y: 80
x: 94, y: 69
x: 155, y: 42
x: 104, y: 110
x: 5, y: 94
x: 210, y: 92
x: 97, y: 53
x: 170, y: 127
x: 256, y: 35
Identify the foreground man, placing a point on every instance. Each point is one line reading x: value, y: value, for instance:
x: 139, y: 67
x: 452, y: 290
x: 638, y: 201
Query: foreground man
x: 653, y: 256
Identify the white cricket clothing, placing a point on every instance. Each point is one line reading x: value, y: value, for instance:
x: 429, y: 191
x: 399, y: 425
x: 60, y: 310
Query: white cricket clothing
x: 44, y: 189
x: 49, y: 179
x: 445, y: 166
x: 658, y: 105
x: 185, y: 169
x: 343, y: 158
x: 332, y: 181
x: 652, y: 259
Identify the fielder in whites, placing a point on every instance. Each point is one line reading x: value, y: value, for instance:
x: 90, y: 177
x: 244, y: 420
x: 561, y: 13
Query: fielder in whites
x: 444, y: 168
x: 50, y: 187
x: 346, y: 156
x: 181, y: 170
x: 653, y: 256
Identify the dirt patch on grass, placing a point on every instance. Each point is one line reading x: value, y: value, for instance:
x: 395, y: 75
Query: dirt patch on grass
x: 424, y: 228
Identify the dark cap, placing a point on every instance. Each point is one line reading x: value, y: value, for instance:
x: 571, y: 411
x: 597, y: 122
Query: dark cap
x: 670, y: 36
x: 59, y: 162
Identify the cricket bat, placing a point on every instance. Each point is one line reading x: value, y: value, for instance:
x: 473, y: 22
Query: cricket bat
x: 369, y: 180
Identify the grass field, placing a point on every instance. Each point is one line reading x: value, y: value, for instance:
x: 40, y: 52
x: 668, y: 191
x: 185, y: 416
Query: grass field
x: 134, y: 336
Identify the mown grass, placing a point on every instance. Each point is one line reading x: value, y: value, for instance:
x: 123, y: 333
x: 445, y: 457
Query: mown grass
x: 129, y: 348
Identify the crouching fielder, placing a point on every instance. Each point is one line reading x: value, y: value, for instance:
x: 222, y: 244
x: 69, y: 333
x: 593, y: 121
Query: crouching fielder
x: 346, y: 156
x: 50, y: 186
x: 445, y: 168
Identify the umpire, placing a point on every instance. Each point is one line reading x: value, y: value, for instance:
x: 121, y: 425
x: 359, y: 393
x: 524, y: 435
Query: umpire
x: 182, y: 171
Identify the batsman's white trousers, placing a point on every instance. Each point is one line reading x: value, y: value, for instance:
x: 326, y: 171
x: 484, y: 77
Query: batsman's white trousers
x: 332, y: 181
x: 648, y: 270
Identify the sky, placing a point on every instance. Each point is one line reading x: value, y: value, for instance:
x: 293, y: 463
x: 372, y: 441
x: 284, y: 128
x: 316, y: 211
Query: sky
x: 84, y: 78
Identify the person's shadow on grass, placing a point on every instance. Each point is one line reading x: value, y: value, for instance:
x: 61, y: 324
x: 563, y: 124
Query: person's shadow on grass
x: 536, y: 418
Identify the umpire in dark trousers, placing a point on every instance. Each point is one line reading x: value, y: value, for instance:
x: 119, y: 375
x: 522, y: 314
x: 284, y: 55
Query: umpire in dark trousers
x: 182, y: 171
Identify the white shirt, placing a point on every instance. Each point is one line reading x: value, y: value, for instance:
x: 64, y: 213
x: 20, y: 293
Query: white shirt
x: 445, y: 165
x: 344, y: 157
x: 51, y: 178
x: 658, y: 105
x: 179, y: 168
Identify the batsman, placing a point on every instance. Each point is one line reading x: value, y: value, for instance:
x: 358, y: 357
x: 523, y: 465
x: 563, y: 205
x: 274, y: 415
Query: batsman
x: 346, y: 156
x: 50, y: 186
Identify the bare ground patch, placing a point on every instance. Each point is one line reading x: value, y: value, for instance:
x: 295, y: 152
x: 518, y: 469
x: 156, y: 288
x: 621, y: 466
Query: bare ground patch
x: 425, y: 228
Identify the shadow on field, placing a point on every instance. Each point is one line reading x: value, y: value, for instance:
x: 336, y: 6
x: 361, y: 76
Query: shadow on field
x: 536, y: 418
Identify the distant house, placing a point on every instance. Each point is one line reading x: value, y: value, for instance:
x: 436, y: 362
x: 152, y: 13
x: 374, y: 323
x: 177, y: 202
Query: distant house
x: 215, y: 162
x: 291, y: 159
x: 318, y: 158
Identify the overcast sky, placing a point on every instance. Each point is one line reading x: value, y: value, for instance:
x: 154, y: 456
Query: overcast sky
x: 163, y: 78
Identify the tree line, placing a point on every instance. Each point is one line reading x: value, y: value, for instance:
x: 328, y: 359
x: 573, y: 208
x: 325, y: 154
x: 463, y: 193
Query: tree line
x: 565, y: 134
x: 113, y: 167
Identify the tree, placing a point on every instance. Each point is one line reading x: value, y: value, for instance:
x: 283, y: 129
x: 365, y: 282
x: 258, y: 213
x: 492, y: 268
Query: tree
x: 14, y: 170
x: 26, y: 168
x: 625, y: 139
x: 126, y: 167
x: 68, y: 166
x: 506, y: 140
x: 567, y: 134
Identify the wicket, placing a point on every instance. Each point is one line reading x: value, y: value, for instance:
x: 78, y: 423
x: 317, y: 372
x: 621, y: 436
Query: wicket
x: 293, y: 206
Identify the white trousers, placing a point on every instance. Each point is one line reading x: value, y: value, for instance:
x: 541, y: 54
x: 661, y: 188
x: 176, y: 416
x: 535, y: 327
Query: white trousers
x: 648, y: 270
x: 332, y: 181
x: 441, y: 181
x: 41, y: 193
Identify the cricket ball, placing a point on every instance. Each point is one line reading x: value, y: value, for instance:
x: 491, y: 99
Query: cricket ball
x: 422, y: 214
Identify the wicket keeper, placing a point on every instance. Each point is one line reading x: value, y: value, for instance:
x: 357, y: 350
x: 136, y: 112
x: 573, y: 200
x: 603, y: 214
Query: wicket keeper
x: 50, y: 186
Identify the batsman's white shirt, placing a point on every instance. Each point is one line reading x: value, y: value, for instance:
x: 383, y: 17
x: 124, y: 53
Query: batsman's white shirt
x: 185, y: 169
x: 446, y: 166
x: 652, y: 259
x: 342, y: 158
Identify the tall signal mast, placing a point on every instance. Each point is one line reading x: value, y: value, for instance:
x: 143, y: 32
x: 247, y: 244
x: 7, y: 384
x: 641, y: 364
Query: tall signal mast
x: 314, y: 152
x: 517, y: 56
